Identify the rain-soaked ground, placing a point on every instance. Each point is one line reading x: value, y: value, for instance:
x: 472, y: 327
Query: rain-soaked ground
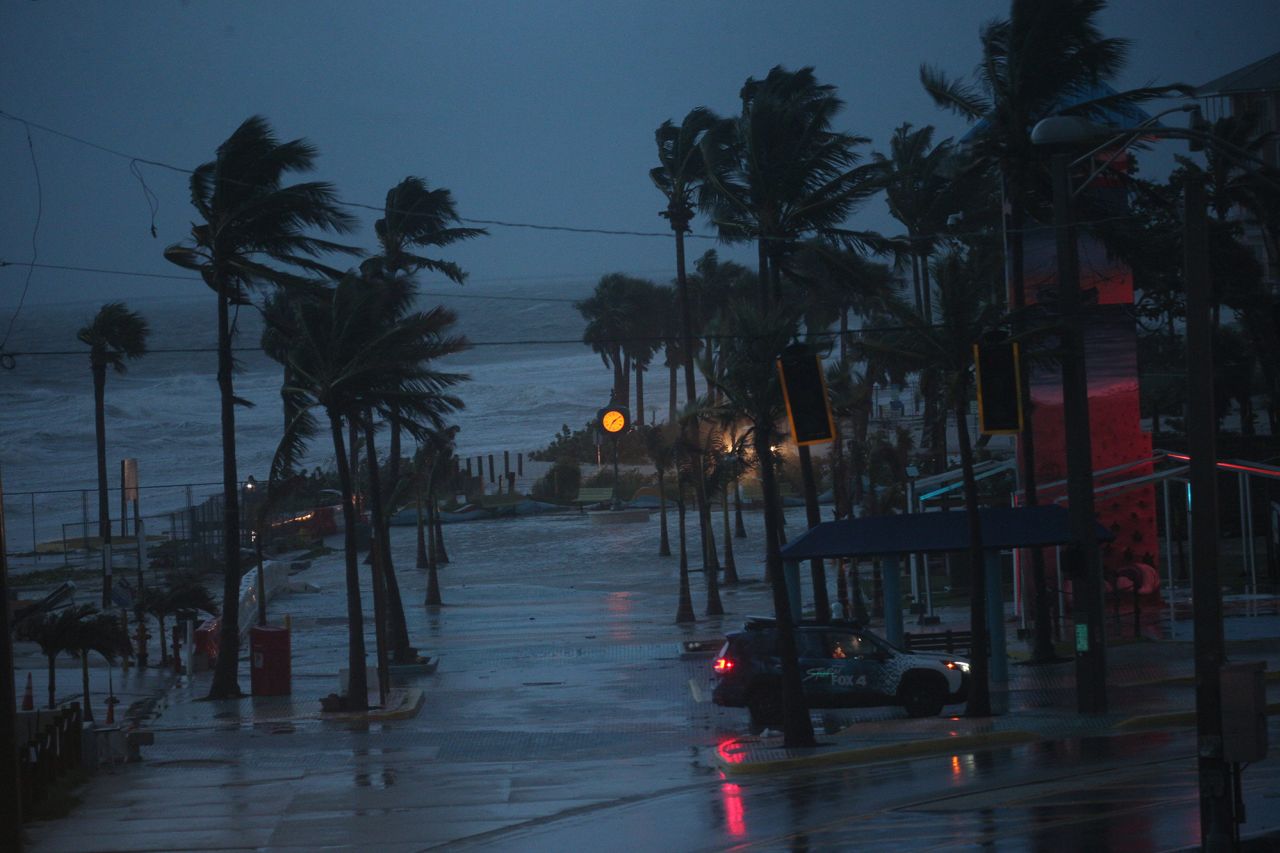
x: 562, y: 716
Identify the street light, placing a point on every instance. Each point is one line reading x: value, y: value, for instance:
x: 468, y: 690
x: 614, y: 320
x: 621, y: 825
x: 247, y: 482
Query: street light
x: 1216, y: 784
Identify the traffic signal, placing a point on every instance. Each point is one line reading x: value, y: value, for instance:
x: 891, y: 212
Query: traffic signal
x: 804, y: 390
x: 999, y: 383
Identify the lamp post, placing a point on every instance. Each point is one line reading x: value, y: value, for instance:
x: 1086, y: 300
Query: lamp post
x: 1217, y: 815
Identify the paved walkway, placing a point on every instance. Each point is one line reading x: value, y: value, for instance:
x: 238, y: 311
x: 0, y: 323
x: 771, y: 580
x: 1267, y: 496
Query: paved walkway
x: 561, y: 690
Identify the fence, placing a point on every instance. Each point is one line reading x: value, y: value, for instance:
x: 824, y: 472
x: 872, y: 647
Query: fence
x: 51, y: 751
x: 59, y: 525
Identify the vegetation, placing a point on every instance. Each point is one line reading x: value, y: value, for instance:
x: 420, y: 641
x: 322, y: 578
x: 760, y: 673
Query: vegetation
x: 113, y: 335
x: 249, y: 221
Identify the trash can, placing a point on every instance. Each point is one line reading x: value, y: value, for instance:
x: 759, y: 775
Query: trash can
x: 270, y: 664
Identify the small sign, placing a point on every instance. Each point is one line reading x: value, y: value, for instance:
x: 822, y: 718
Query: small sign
x: 1082, y: 638
x: 129, y: 479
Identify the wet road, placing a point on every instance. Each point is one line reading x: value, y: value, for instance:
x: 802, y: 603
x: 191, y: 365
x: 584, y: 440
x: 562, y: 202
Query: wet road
x: 1131, y: 793
x: 561, y: 718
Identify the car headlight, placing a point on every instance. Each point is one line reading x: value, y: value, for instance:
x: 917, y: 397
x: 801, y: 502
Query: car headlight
x: 957, y: 664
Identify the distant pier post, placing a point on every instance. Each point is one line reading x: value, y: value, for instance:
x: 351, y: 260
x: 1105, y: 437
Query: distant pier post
x: 520, y: 464
x: 493, y: 477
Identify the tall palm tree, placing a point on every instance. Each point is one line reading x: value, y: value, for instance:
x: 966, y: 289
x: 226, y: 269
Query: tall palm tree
x: 250, y: 221
x: 751, y: 388
x: 779, y: 173
x: 346, y: 360
x: 1047, y: 57
x: 113, y: 335
x: 964, y: 315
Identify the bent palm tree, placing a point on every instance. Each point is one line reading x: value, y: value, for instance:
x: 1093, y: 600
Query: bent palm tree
x: 55, y: 633
x: 114, y: 334
x: 346, y: 360
x: 249, y: 219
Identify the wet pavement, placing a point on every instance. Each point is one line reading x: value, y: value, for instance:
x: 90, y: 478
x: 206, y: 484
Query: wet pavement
x: 563, y: 716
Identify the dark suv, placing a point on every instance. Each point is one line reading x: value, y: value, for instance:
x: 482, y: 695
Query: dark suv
x: 842, y: 665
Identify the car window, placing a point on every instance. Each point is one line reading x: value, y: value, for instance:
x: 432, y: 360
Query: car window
x: 809, y: 644
x: 844, y: 646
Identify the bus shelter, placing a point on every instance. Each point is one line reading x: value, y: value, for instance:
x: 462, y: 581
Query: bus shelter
x: 889, y: 537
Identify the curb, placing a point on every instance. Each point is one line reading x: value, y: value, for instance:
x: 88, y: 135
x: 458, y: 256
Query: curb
x: 1175, y: 718
x: 907, y: 749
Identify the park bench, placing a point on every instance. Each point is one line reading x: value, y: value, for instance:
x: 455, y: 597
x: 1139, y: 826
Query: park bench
x: 939, y: 641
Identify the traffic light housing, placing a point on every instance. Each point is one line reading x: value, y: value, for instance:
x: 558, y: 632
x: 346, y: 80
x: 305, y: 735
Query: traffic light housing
x: 999, y: 381
x: 804, y: 390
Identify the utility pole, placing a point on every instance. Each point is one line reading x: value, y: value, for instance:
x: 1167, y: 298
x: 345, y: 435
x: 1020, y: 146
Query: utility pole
x: 1086, y: 562
x: 1216, y: 813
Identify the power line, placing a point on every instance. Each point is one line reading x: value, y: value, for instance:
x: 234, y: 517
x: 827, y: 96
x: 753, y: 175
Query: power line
x: 35, y: 231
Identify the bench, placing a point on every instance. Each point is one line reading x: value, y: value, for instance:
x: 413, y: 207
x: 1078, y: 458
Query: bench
x: 939, y: 641
x: 594, y: 495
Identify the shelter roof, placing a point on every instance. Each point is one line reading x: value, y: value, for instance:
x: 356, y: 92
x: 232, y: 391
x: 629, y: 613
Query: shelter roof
x: 926, y: 532
x: 1260, y: 76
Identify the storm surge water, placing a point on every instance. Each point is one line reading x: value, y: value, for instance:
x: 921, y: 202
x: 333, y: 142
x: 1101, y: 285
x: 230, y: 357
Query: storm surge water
x: 530, y: 375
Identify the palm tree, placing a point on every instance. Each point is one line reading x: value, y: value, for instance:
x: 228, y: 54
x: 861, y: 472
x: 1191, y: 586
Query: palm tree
x: 102, y: 633
x: 608, y: 314
x: 414, y: 217
x: 434, y: 453
x: 1047, y: 57
x: 55, y: 633
x: 659, y: 445
x: 248, y: 220
x: 347, y: 360
x: 964, y: 315
x: 182, y: 595
x: 113, y: 335
x: 751, y: 389
x: 778, y: 172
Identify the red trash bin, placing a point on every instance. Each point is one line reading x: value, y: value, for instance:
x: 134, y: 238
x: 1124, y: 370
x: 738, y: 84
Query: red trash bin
x: 270, y: 662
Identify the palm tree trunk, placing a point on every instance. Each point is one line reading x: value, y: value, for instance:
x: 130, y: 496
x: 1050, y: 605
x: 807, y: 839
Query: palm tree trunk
x: 397, y: 631
x: 979, y: 704
x: 730, y: 567
x: 358, y: 684
x: 739, y: 527
x: 84, y: 684
x: 691, y: 430
x: 104, y: 512
x: 639, y: 394
x: 684, y: 607
x: 422, y: 538
x: 433, y: 577
x: 442, y: 556
x: 53, y: 701
x: 664, y: 543
x: 671, y: 393
x: 225, y: 673
x: 796, y: 726
x: 821, y: 602
x: 377, y: 579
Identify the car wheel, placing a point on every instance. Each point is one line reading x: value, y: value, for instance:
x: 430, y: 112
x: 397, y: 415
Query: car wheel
x: 764, y: 704
x: 923, y: 695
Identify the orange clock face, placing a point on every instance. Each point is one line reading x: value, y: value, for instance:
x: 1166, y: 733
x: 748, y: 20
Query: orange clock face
x: 613, y: 421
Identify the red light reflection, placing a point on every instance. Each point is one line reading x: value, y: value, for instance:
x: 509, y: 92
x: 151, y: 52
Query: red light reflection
x: 733, y: 811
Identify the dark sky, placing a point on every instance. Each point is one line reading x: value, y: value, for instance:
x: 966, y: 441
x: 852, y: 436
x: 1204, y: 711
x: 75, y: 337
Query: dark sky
x: 533, y: 112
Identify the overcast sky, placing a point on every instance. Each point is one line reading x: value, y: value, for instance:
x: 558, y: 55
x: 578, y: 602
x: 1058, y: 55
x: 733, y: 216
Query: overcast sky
x: 532, y: 112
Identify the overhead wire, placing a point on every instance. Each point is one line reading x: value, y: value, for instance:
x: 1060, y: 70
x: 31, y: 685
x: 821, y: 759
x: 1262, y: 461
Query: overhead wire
x: 35, y: 248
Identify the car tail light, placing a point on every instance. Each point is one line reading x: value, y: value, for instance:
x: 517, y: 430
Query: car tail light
x: 722, y: 666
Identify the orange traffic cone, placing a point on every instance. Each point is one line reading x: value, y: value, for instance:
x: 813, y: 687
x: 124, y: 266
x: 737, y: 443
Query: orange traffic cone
x: 28, y: 698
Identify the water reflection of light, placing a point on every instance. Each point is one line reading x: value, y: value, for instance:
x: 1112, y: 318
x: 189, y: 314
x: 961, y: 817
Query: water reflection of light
x: 956, y: 770
x: 731, y: 751
x: 733, y: 811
